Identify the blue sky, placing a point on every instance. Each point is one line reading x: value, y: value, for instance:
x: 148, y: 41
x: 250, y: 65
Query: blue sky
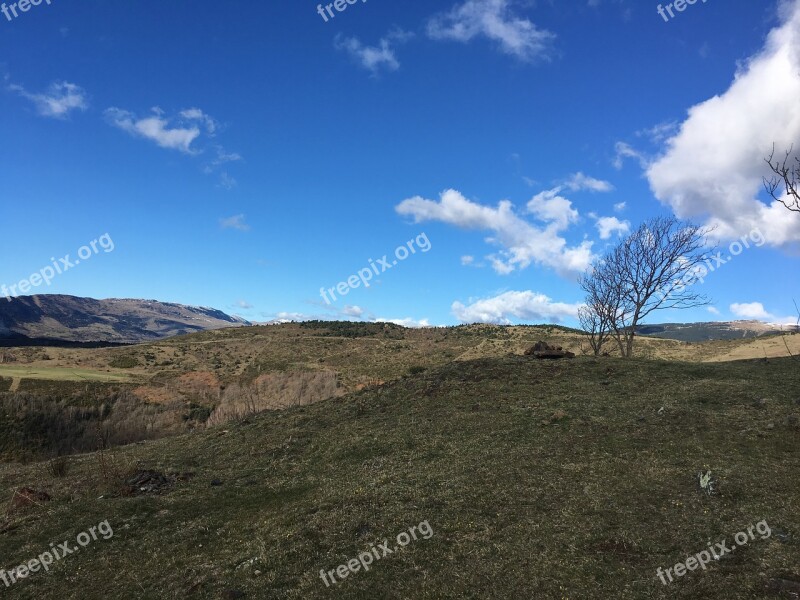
x: 245, y: 155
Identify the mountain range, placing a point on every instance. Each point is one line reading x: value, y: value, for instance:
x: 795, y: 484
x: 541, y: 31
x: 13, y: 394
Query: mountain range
x: 58, y: 319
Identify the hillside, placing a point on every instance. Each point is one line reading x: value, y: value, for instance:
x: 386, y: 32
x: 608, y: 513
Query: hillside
x: 29, y: 320
x: 537, y: 479
x: 714, y: 330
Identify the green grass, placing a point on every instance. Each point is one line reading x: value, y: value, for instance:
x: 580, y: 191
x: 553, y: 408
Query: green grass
x: 539, y: 480
x: 60, y: 374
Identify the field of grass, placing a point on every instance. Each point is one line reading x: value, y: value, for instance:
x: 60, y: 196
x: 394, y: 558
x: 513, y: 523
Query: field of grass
x: 60, y: 374
x: 564, y: 480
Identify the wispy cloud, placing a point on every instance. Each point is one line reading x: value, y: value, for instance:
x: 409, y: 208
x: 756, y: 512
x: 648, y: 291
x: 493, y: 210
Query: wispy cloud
x: 157, y: 128
x: 58, y: 101
x: 623, y: 151
x: 579, y: 182
x: 374, y: 58
x: 494, y: 20
x: 235, y: 222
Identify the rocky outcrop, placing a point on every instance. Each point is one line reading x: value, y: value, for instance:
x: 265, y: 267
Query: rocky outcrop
x: 544, y: 350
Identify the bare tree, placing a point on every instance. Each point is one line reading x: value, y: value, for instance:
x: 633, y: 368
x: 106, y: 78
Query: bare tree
x: 595, y: 317
x: 652, y: 269
x: 787, y: 178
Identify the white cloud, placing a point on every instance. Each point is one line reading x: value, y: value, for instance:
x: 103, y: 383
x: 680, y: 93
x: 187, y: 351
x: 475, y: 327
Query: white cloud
x: 713, y: 310
x: 521, y: 306
x: 195, y: 114
x: 496, y: 21
x: 467, y: 260
x: 59, y: 99
x: 407, y: 322
x: 623, y: 151
x: 751, y: 310
x: 579, y: 181
x: 549, y: 207
x: 607, y: 226
x: 620, y: 206
x: 659, y: 132
x: 374, y: 58
x: 353, y: 311
x: 523, y: 243
x: 244, y: 304
x: 713, y: 166
x: 226, y: 181
x: 234, y: 222
x: 155, y: 128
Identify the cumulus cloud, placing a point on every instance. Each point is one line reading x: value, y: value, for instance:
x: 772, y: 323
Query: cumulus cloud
x: 58, y: 101
x: 713, y: 310
x: 407, y: 322
x: 548, y: 206
x: 713, y: 167
x: 494, y: 20
x: 751, y: 310
x: 373, y: 58
x: 608, y: 226
x: 353, y: 311
x: 522, y: 242
x: 509, y: 306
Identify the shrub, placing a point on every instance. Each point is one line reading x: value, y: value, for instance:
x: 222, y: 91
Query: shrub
x: 124, y: 362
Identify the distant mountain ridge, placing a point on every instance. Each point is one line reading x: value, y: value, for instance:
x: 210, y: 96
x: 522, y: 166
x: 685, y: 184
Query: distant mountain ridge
x: 713, y: 330
x: 31, y: 319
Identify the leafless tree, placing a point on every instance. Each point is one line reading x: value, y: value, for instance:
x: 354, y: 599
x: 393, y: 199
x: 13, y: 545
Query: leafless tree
x: 652, y: 269
x: 786, y: 178
x: 595, y: 317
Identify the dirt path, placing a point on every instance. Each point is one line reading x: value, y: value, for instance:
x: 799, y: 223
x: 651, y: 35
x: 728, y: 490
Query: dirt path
x: 15, y: 381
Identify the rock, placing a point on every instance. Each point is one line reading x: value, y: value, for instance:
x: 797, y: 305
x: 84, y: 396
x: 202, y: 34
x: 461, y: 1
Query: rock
x: 792, y: 420
x: 146, y: 482
x: 25, y: 497
x: 760, y: 402
x: 770, y: 425
x: 779, y: 584
x: 544, y: 350
x: 216, y: 482
x: 232, y: 594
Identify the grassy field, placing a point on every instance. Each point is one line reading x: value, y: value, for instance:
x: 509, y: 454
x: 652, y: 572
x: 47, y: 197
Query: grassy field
x: 60, y: 374
x: 569, y: 480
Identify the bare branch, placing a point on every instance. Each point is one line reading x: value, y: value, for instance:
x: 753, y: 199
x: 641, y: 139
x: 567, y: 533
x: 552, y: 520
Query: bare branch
x: 785, y: 185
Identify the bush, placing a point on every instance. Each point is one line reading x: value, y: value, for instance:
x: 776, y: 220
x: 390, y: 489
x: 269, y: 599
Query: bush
x: 124, y: 362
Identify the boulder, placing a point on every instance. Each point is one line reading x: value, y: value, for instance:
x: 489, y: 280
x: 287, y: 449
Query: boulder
x: 543, y: 350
